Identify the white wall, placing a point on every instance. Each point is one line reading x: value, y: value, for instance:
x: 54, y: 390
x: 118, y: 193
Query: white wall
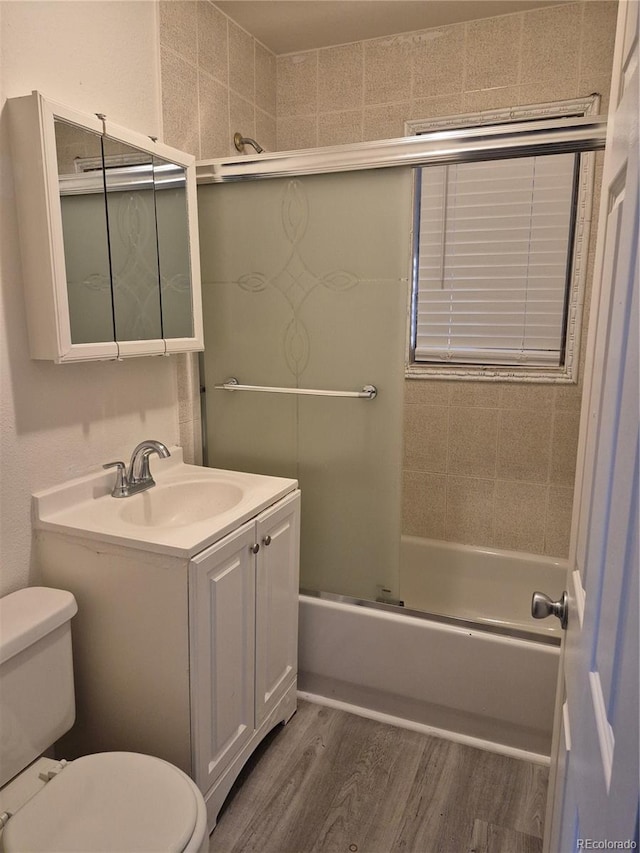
x: 60, y: 421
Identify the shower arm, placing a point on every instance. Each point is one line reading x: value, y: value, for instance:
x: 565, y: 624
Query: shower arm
x: 240, y: 141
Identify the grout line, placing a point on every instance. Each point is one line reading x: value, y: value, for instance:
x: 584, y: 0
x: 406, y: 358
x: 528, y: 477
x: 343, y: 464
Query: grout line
x: 198, y: 88
x: 317, y: 95
x: 520, y: 48
x: 580, y: 44
x: 229, y: 131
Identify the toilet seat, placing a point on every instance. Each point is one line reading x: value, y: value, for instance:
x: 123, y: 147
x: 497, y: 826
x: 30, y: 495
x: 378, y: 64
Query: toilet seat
x: 110, y: 802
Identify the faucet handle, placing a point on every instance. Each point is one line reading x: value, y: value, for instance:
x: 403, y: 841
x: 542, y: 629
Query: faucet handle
x: 120, y: 490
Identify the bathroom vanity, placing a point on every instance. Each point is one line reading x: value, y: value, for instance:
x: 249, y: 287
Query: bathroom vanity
x: 185, y: 641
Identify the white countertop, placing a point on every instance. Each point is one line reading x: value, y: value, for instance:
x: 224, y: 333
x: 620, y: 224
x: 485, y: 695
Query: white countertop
x: 84, y: 507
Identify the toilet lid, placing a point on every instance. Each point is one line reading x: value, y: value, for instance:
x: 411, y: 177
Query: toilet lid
x: 107, y: 803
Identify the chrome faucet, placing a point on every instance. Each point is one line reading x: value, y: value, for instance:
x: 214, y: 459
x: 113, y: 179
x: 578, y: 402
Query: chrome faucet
x: 138, y: 477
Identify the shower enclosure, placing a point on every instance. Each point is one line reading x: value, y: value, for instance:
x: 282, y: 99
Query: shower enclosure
x: 305, y: 288
x: 307, y: 266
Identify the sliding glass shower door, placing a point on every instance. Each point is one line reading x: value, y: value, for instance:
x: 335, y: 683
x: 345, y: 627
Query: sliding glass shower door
x: 305, y: 286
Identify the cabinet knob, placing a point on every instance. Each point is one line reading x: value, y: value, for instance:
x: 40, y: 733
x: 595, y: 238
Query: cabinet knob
x: 267, y: 540
x: 254, y: 548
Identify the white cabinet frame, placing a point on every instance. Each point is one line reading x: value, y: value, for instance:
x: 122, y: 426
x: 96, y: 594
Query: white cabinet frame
x: 41, y: 236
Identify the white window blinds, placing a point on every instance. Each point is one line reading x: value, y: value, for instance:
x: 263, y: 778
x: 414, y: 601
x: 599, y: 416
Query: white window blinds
x: 494, y: 242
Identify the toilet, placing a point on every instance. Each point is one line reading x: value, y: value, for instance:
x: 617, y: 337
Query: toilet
x: 113, y: 802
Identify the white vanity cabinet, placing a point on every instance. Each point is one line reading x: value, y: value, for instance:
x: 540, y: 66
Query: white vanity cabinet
x: 244, y: 602
x: 189, y: 654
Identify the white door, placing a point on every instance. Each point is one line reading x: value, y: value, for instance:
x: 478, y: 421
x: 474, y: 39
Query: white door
x: 595, y: 798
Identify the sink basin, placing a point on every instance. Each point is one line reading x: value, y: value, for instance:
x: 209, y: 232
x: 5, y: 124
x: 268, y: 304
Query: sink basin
x: 178, y: 504
x: 188, y: 509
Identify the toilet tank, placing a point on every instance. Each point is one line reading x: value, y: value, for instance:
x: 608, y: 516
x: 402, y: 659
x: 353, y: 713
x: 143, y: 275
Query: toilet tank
x: 37, y: 703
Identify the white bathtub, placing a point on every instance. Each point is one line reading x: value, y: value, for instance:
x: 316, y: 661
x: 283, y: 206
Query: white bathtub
x: 481, y: 584
x: 467, y: 682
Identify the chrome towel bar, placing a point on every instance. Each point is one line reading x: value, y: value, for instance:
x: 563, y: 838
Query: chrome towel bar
x: 369, y: 392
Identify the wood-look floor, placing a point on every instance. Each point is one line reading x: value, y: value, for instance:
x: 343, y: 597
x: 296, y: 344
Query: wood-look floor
x: 331, y: 781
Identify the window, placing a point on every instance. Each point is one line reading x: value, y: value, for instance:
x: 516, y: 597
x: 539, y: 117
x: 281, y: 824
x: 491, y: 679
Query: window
x: 498, y: 260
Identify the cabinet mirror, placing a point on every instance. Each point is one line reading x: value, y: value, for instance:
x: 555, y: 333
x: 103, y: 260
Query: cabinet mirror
x: 85, y: 234
x: 123, y: 236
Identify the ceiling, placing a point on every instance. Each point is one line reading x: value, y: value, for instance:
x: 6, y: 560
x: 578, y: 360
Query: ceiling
x: 287, y: 26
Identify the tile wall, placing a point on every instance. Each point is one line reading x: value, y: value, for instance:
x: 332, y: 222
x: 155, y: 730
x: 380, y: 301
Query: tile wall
x: 216, y: 80
x: 487, y: 464
x: 484, y: 463
x: 367, y: 90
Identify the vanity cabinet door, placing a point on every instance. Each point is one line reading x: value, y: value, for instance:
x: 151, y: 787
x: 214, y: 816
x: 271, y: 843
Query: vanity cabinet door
x: 277, y: 572
x: 222, y: 604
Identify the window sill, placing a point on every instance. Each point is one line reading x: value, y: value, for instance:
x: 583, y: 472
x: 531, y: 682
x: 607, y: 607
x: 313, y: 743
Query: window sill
x: 494, y: 373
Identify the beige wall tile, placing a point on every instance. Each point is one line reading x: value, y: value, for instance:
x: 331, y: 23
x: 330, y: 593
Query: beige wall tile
x: 189, y: 420
x: 185, y: 395
x: 265, y: 80
x: 297, y: 132
x: 204, y: 57
x: 486, y: 395
x: 551, y: 44
x: 493, y: 52
x: 385, y: 70
x: 241, y: 117
x: 425, y: 438
x: 558, y: 521
x: 188, y: 387
x: 340, y: 128
x: 469, y: 516
x: 540, y: 398
x: 598, y: 36
x: 214, y: 118
x: 340, y: 78
x: 179, y: 28
x: 432, y: 392
x: 549, y: 90
x: 241, y: 62
x: 213, y: 45
x: 186, y: 433
x: 441, y: 105
x: 438, y: 62
x: 424, y: 501
x: 297, y: 84
x: 564, y: 448
x: 568, y: 398
x: 596, y: 83
x: 386, y: 121
x: 519, y: 517
x: 478, y: 100
x: 179, y: 102
x: 524, y: 445
x: 266, y: 130
x: 473, y: 435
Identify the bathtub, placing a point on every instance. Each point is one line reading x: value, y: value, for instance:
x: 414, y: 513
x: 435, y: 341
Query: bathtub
x: 484, y: 585
x: 486, y: 677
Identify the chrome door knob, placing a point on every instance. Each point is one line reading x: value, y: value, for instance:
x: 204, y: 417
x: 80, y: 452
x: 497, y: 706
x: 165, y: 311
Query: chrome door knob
x: 542, y: 606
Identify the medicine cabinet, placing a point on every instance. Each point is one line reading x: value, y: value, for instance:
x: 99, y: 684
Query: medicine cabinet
x: 108, y: 236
